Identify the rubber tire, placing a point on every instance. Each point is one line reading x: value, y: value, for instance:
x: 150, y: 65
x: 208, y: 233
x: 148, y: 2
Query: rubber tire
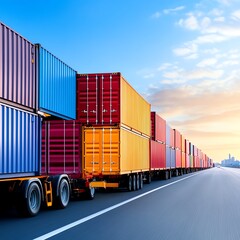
x: 32, y: 204
x: 64, y: 194
x: 137, y: 182
x: 140, y: 181
x: 90, y: 193
x: 134, y: 183
x: 149, y: 178
x: 129, y: 186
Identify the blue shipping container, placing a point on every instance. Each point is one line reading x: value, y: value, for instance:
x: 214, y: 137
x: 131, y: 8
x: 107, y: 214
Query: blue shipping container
x: 168, y: 157
x: 20, y: 135
x: 57, y: 86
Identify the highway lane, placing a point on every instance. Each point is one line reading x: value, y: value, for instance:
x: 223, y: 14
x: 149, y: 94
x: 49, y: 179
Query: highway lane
x: 205, y: 205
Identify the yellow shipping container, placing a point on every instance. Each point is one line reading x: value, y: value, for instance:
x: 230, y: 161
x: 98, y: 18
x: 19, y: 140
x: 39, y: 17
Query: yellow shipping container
x: 135, y: 110
x: 114, y: 151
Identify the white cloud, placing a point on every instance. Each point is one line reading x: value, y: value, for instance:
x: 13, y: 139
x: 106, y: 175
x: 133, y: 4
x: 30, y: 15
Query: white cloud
x: 190, y: 23
x: 210, y: 38
x: 206, y: 21
x: 219, y: 19
x: 207, y: 62
x: 187, y: 49
x: 216, y: 12
x: 236, y: 15
x: 171, y: 10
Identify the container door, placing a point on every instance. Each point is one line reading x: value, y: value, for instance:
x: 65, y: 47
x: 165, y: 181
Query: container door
x: 110, y: 98
x: 88, y: 99
x: 101, y: 151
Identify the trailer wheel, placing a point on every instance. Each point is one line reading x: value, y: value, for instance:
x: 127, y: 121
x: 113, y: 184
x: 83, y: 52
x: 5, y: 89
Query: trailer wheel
x: 129, y: 183
x: 166, y: 175
x: 64, y: 194
x: 140, y: 181
x: 137, y: 182
x: 90, y: 193
x: 149, y: 178
x: 32, y: 203
x: 134, y: 183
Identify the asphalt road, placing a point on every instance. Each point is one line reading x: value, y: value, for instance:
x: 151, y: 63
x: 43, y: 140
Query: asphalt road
x: 203, y: 205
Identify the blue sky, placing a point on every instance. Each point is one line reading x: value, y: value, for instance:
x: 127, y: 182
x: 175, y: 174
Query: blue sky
x: 182, y: 56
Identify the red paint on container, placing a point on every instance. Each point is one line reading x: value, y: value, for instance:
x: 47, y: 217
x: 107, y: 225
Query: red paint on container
x: 177, y: 139
x: 108, y: 99
x: 61, y: 148
x: 187, y: 146
x: 158, y: 155
x: 158, y: 125
x: 178, y: 158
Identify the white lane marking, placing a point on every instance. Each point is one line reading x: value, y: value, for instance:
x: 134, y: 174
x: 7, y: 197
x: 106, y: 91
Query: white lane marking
x: 94, y: 215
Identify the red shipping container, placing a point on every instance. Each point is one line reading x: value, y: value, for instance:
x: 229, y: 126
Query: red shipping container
x: 158, y: 128
x: 177, y: 139
x: 187, y: 147
x: 158, y: 155
x: 98, y: 98
x: 61, y: 148
x: 178, y: 158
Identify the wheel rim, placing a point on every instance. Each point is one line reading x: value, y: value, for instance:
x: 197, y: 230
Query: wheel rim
x: 34, y: 199
x: 64, y: 192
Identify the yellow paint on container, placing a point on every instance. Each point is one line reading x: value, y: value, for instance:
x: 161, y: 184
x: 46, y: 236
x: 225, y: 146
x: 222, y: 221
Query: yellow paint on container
x: 135, y: 110
x: 114, y: 151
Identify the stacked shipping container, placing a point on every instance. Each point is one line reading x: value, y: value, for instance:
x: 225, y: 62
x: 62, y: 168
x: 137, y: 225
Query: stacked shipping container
x: 158, y: 143
x: 117, y: 124
x: 31, y: 81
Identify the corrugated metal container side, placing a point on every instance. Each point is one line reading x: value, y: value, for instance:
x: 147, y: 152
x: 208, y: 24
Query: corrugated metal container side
x: 158, y: 128
x: 187, y: 147
x: 177, y: 139
x: 178, y: 158
x: 183, y: 160
x: 195, y: 151
x: 108, y: 99
x: 169, y: 136
x: 173, y: 158
x: 158, y: 155
x: 191, y: 161
x: 183, y: 144
x: 19, y: 142
x: 190, y: 148
x: 187, y: 165
x: 17, y: 69
x: 109, y: 150
x: 61, y: 148
x: 57, y: 86
x: 168, y: 157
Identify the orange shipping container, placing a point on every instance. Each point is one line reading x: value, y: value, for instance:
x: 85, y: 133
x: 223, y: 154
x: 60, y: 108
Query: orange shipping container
x: 109, y: 150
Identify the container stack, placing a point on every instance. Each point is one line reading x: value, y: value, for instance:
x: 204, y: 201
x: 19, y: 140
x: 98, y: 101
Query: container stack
x: 158, y: 143
x: 19, y: 123
x: 30, y: 87
x: 116, y: 123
